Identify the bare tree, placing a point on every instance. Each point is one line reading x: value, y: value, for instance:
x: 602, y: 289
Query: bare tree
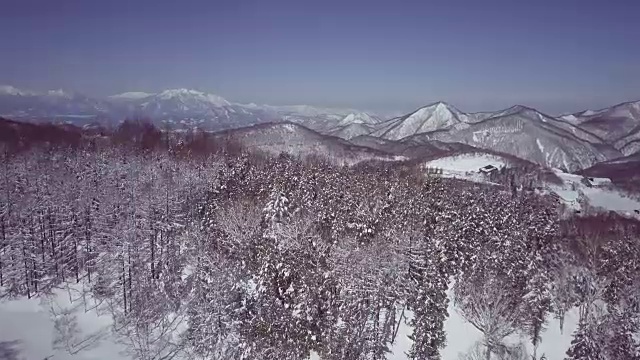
x: 489, y: 307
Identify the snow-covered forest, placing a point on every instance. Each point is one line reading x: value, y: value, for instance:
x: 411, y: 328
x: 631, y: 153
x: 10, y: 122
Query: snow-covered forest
x: 203, y: 252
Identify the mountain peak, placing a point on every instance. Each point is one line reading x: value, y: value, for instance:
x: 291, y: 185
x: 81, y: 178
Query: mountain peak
x: 521, y: 108
x: 188, y: 95
x: 169, y: 93
x: 432, y: 117
x: 359, y: 118
x: 437, y: 105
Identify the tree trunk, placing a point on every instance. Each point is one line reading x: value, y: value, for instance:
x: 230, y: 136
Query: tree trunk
x: 153, y: 265
x: 124, y: 287
x: 26, y: 268
x: 2, y: 245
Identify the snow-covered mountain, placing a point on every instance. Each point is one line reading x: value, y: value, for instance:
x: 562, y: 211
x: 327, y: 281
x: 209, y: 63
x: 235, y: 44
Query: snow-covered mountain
x: 295, y: 139
x: 618, y: 125
x: 352, y: 125
x: 573, y: 141
x: 437, y: 116
x: 359, y: 118
x: 192, y: 107
x: 324, y: 120
x: 529, y: 135
x: 420, y: 149
x: 518, y: 131
x: 131, y: 95
x: 179, y: 107
x: 52, y: 105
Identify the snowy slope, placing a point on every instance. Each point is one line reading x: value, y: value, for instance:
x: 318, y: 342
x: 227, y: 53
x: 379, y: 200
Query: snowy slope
x: 297, y: 140
x: 324, y: 120
x: 575, y: 194
x: 519, y: 131
x: 359, y: 118
x: 131, y: 95
x: 528, y: 135
x: 433, y: 117
x: 351, y: 131
x: 352, y: 125
x: 613, y: 123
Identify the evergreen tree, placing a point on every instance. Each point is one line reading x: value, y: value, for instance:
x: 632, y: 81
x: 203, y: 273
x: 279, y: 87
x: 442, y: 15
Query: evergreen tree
x: 584, y: 345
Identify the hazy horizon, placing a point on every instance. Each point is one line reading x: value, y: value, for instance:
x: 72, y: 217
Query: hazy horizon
x: 377, y: 56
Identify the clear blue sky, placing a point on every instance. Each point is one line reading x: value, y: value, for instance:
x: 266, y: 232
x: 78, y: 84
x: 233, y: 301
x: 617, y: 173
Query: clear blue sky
x: 559, y: 55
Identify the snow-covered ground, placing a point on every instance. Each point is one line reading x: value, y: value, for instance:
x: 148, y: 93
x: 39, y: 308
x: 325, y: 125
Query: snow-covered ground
x: 466, y: 166
x: 462, y: 336
x: 32, y: 323
x: 469, y: 162
x: 572, y: 190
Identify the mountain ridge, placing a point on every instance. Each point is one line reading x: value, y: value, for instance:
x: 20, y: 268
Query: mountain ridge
x: 572, y: 141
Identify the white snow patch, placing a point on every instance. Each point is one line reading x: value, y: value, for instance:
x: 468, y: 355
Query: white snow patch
x: 540, y: 146
x: 573, y: 189
x: 555, y: 343
x: 467, y: 162
x: 461, y: 335
x: 132, y: 95
x: 402, y: 343
x: 358, y: 118
x: 570, y: 118
x: 31, y: 322
x: 466, y: 166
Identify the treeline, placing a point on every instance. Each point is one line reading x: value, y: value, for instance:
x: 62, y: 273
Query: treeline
x: 226, y: 256
x: 137, y: 135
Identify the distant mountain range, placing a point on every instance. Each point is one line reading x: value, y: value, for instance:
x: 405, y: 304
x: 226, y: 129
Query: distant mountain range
x: 572, y: 141
x: 177, y: 107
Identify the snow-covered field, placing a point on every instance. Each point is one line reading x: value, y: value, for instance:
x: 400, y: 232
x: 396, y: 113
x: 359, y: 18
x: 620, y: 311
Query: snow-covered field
x: 466, y: 166
x: 469, y: 162
x: 573, y: 190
